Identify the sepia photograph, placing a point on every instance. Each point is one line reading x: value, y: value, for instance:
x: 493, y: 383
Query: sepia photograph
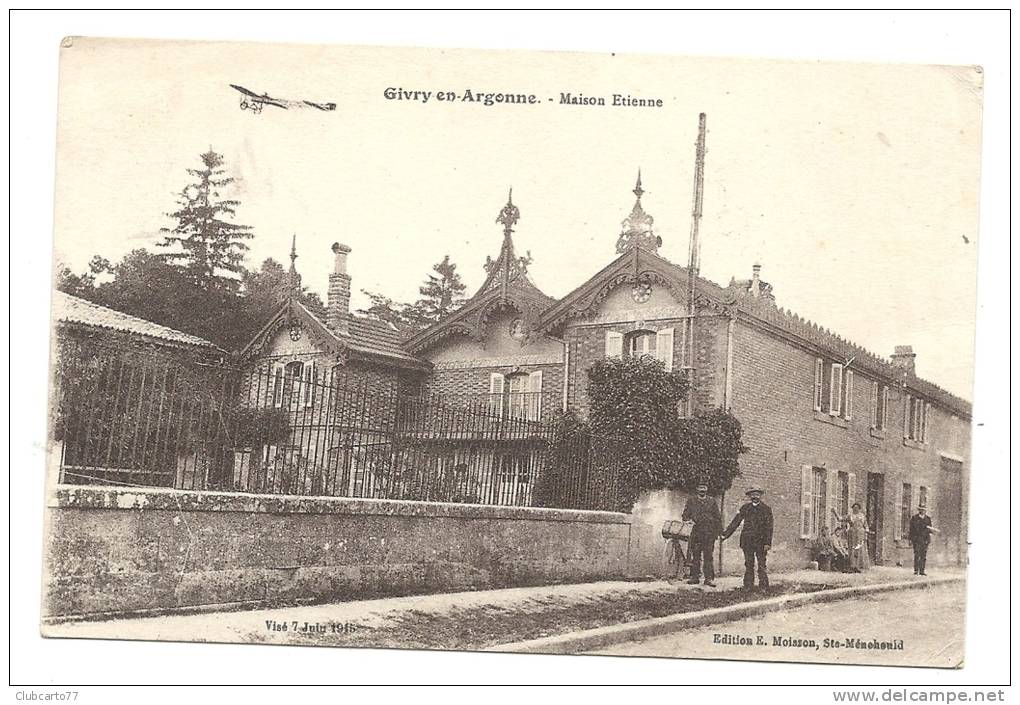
x: 512, y: 351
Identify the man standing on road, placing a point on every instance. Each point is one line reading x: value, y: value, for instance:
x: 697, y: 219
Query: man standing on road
x: 755, y: 537
x: 703, y: 511
x: 920, y: 536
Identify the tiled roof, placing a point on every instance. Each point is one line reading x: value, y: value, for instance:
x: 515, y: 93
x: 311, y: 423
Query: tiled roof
x: 370, y: 335
x: 71, y: 309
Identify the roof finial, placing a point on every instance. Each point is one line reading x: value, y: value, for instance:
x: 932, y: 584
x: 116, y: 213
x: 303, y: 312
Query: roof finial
x: 636, y: 228
x: 510, y: 214
x: 295, y: 278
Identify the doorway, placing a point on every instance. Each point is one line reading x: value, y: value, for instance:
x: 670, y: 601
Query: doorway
x: 873, y: 511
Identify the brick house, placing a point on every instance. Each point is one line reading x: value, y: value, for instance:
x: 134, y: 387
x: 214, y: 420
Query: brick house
x: 335, y: 378
x: 828, y: 423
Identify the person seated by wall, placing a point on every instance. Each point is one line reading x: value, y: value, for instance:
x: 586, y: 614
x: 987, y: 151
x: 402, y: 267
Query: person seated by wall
x: 823, y: 550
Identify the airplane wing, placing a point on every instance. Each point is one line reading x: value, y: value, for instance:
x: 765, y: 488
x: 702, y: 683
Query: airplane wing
x: 256, y: 101
x: 242, y: 89
x: 320, y: 106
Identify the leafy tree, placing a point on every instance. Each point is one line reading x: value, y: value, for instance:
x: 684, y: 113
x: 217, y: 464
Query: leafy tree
x: 264, y: 288
x: 210, y: 246
x: 82, y: 285
x: 441, y: 294
x: 384, y: 308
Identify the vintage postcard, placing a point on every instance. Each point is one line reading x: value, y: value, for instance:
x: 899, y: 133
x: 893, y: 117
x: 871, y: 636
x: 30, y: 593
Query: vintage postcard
x: 512, y: 351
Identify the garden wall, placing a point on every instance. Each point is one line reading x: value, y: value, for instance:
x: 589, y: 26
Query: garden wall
x: 120, y: 550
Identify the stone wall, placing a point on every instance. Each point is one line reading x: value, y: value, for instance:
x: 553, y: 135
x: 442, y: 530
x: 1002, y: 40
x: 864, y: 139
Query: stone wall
x: 116, y: 550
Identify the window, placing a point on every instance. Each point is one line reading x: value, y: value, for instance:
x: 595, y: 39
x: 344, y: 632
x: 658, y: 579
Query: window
x: 294, y: 384
x: 915, y: 419
x: 879, y: 406
x: 818, y: 492
x: 813, y: 500
x: 833, y: 389
x: 843, y: 493
x: 922, y: 496
x: 819, y: 383
x: 640, y: 343
x: 517, y: 396
x: 658, y: 344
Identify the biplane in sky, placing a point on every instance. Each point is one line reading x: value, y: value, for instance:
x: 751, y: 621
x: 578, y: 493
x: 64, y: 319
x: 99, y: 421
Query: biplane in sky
x: 254, y: 102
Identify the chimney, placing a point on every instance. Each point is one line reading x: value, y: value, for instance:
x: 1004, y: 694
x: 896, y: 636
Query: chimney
x: 903, y: 358
x: 338, y: 298
x: 756, y: 280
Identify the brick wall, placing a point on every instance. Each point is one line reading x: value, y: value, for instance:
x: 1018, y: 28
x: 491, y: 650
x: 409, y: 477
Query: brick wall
x: 773, y: 388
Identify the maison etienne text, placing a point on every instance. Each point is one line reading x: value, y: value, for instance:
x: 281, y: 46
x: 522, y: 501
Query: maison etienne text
x: 614, y: 100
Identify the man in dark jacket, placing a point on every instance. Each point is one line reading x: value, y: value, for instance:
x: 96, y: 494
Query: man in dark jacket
x: 755, y: 537
x: 704, y: 512
x: 920, y: 536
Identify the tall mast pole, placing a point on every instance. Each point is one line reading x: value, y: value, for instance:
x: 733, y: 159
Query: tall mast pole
x: 694, y: 256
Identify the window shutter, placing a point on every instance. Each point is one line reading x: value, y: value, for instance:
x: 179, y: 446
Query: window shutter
x: 614, y: 344
x: 875, y: 391
x: 819, y: 373
x: 278, y: 385
x: 849, y: 413
x: 496, y: 385
x: 664, y: 347
x: 885, y: 407
x: 831, y: 482
x: 924, y: 429
x: 308, y: 375
x: 835, y: 389
x: 805, y: 501
x: 535, y: 401
x: 851, y: 490
x: 908, y: 404
x: 898, y: 524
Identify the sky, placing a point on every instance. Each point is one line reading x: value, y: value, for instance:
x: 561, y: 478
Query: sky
x: 854, y: 185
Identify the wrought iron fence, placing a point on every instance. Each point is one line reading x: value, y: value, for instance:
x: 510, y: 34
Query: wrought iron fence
x: 148, y: 420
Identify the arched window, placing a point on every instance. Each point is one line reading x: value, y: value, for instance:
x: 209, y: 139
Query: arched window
x: 640, y: 342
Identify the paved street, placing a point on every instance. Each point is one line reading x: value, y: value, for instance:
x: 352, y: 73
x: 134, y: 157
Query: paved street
x: 929, y: 622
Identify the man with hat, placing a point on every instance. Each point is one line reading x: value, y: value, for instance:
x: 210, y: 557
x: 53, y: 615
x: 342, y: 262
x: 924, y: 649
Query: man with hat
x: 704, y: 512
x: 920, y: 536
x: 755, y: 537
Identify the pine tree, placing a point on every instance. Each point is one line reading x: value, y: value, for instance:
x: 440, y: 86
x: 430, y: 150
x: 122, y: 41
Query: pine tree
x: 442, y: 294
x: 212, y: 249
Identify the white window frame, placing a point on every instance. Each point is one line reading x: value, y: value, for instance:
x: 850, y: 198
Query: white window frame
x: 664, y: 347
x: 535, y: 398
x: 848, y: 400
x: 614, y: 344
x: 835, y: 389
x: 497, y: 388
x: 885, y: 407
x: 819, y: 382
